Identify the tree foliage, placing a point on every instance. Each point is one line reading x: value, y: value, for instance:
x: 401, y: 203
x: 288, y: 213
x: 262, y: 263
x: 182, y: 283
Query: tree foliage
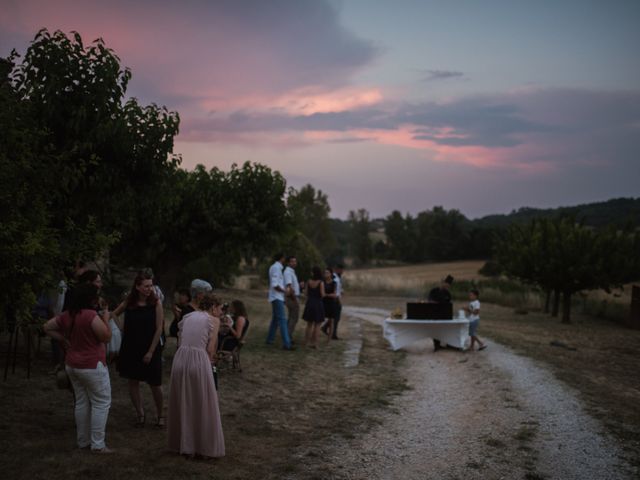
x: 84, y: 170
x: 360, y: 241
x: 565, y: 257
x: 435, y: 235
x: 309, y: 211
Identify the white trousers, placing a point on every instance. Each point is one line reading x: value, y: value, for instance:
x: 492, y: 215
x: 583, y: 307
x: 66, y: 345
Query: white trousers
x: 92, y: 388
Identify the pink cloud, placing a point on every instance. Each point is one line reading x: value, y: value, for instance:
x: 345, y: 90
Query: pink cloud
x: 225, y: 52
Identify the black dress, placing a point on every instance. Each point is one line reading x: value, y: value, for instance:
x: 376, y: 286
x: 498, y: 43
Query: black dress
x: 314, y: 308
x: 329, y: 302
x: 139, y: 329
x: 228, y: 341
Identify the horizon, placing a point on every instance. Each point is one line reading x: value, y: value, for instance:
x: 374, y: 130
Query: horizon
x: 481, y: 108
x: 512, y: 211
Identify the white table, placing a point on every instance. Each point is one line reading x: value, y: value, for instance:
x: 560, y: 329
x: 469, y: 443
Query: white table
x: 402, y: 332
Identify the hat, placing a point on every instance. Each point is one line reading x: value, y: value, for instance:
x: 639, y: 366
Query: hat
x: 448, y: 279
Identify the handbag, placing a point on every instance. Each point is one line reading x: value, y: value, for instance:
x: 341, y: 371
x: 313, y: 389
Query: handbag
x: 113, y: 346
x: 62, y: 378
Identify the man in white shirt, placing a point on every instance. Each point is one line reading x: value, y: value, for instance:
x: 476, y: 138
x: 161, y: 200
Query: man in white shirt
x: 276, y: 298
x: 292, y: 293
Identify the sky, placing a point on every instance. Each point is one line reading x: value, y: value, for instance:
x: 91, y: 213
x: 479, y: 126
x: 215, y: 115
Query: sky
x: 482, y: 106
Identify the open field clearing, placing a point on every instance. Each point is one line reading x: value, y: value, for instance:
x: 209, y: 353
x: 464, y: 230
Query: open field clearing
x: 410, y: 279
x: 294, y: 414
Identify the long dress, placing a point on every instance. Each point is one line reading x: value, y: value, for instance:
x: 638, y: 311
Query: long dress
x: 314, y: 308
x: 137, y: 335
x: 193, y: 421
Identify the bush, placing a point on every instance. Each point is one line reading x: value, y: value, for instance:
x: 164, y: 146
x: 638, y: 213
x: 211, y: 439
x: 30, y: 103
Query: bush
x: 491, y: 269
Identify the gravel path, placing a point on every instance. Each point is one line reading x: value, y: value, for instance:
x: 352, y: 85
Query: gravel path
x: 477, y: 415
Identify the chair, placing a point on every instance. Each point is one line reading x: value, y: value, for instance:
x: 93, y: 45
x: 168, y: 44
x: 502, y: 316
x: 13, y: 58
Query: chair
x: 230, y: 356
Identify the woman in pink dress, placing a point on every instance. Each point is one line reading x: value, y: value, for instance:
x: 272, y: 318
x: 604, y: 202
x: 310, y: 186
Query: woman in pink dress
x: 194, y: 426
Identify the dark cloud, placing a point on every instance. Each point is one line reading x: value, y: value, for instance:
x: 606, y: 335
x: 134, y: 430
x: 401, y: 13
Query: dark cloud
x: 432, y: 75
x: 552, y: 126
x: 204, y: 48
x: 481, y: 122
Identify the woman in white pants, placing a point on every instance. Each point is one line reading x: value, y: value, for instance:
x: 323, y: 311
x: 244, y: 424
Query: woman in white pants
x: 83, y: 333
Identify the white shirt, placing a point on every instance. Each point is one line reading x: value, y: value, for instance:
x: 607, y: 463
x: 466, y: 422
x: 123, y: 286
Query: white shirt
x: 290, y: 278
x: 159, y: 294
x: 60, y: 293
x: 474, y: 305
x: 338, y: 280
x: 276, y: 279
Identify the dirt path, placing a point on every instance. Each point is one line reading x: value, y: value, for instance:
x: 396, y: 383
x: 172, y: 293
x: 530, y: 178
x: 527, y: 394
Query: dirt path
x: 484, y: 415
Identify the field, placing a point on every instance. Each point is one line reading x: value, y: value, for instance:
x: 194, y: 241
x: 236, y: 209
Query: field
x: 284, y: 406
x: 411, y: 280
x: 274, y: 413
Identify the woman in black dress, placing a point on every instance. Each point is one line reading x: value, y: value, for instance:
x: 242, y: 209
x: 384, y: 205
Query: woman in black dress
x: 140, y: 358
x: 233, y: 326
x: 329, y: 301
x: 314, y: 309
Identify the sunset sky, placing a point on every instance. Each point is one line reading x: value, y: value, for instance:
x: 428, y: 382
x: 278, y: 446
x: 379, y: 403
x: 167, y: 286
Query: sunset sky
x: 484, y: 106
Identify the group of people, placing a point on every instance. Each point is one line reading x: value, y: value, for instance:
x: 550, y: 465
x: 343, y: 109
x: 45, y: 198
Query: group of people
x: 84, y: 327
x: 323, y: 307
x: 442, y: 294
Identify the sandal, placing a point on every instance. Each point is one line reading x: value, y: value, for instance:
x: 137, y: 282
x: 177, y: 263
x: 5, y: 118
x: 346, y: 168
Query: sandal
x: 140, y: 421
x: 160, y: 423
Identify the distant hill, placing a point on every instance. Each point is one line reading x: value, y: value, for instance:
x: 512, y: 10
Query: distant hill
x: 617, y: 211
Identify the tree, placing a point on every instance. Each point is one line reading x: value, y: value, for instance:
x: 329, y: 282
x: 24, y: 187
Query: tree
x: 565, y: 257
x: 34, y: 247
x: 401, y: 235
x: 110, y: 158
x: 360, y: 241
x: 309, y: 210
x: 441, y: 235
x: 216, y: 219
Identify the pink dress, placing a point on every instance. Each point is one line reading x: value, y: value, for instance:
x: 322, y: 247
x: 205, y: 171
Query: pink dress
x: 193, y: 421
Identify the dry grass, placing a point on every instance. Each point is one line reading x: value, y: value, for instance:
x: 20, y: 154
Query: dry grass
x: 283, y: 402
x: 409, y: 279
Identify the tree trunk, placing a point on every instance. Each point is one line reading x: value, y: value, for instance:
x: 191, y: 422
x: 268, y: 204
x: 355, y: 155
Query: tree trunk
x: 566, y: 306
x: 167, y: 275
x: 556, y: 303
x: 547, y: 301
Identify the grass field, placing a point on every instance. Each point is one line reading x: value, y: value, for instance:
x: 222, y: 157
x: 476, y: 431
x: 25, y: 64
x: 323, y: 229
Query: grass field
x: 285, y: 404
x: 412, y: 280
x: 274, y: 413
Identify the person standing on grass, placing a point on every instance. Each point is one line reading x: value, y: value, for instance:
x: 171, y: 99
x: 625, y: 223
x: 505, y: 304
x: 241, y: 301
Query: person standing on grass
x: 473, y: 312
x: 140, y: 358
x: 440, y: 294
x: 276, y: 298
x: 292, y: 294
x: 329, y: 301
x: 83, y: 333
x: 314, y: 308
x: 337, y: 277
x: 194, y: 425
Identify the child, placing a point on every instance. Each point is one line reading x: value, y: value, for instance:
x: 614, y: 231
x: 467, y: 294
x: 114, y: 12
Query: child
x: 473, y: 310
